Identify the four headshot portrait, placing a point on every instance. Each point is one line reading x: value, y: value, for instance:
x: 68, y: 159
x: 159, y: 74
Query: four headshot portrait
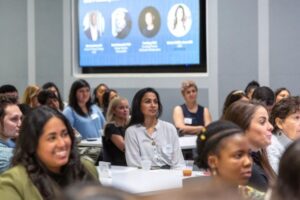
x: 179, y: 22
x: 93, y: 25
x: 149, y: 22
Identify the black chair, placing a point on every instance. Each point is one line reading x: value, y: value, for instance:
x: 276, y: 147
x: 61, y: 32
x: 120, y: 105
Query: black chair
x: 106, y: 157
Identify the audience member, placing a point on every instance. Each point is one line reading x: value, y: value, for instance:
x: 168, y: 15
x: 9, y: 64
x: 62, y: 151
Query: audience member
x: 98, y: 95
x: 10, y: 122
x: 190, y: 117
x: 253, y: 118
x: 265, y: 95
x: 48, y: 98
x: 46, y: 159
x: 114, y: 131
x: 149, y: 137
x: 30, y: 96
x: 285, y: 117
x: 288, y: 180
x: 224, y: 149
x: 250, y: 88
x: 281, y: 93
x: 52, y: 87
x: 86, y: 118
x: 232, y: 97
x: 10, y: 91
x: 108, y: 95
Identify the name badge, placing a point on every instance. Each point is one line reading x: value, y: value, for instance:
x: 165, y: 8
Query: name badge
x: 94, y: 116
x: 188, y: 120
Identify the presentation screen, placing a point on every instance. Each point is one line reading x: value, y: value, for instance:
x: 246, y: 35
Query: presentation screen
x: 141, y: 36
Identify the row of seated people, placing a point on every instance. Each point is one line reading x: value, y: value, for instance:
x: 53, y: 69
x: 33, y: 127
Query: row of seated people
x: 185, y: 115
x: 147, y: 121
x: 46, y: 160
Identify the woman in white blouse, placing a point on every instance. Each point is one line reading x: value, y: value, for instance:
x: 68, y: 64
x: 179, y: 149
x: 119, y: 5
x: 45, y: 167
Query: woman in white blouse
x: 148, y: 137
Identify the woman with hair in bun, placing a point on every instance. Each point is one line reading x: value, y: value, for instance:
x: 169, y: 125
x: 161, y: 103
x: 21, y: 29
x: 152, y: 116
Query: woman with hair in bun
x: 224, y: 150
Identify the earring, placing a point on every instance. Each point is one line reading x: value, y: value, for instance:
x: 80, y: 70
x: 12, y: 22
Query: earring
x: 214, y: 172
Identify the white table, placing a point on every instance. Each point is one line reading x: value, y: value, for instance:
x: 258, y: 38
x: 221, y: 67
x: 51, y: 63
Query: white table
x: 144, y: 182
x: 188, y: 142
x: 97, y: 142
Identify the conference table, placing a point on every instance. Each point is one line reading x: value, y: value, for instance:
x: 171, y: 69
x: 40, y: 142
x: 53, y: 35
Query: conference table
x: 145, y: 182
x: 187, y: 142
x: 92, y: 146
x: 91, y: 142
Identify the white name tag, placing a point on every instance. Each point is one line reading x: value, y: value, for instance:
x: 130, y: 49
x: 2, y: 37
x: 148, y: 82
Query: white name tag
x: 94, y: 116
x: 188, y: 120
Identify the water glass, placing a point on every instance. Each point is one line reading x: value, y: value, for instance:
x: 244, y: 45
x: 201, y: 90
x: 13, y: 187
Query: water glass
x: 105, y: 169
x: 146, y: 164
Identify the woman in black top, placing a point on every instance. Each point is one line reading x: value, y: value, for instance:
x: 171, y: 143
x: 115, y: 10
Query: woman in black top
x: 114, y: 132
x: 190, y: 117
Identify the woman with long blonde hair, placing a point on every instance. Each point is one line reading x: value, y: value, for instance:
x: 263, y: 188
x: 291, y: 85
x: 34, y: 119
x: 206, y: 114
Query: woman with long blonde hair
x: 114, y: 132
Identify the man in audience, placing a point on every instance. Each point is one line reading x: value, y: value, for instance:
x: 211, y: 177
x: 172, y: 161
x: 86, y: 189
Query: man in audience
x: 9, y: 91
x: 10, y: 122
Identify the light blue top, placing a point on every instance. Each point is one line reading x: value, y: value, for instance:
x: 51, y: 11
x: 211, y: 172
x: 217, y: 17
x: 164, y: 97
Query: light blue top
x: 88, y: 127
x: 6, y: 153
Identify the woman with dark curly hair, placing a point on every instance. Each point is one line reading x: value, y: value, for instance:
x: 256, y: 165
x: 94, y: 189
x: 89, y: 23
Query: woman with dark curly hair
x: 45, y: 159
x: 285, y: 117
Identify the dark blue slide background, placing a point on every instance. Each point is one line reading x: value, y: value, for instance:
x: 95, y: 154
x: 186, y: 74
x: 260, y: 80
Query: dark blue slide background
x: 184, y: 54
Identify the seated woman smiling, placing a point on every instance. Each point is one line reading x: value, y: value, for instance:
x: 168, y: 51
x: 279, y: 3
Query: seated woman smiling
x: 45, y: 160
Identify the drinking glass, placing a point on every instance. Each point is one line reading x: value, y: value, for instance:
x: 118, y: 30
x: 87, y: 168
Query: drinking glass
x: 188, y: 168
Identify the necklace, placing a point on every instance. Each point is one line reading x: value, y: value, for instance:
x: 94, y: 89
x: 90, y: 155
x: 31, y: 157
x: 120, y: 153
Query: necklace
x: 153, y: 142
